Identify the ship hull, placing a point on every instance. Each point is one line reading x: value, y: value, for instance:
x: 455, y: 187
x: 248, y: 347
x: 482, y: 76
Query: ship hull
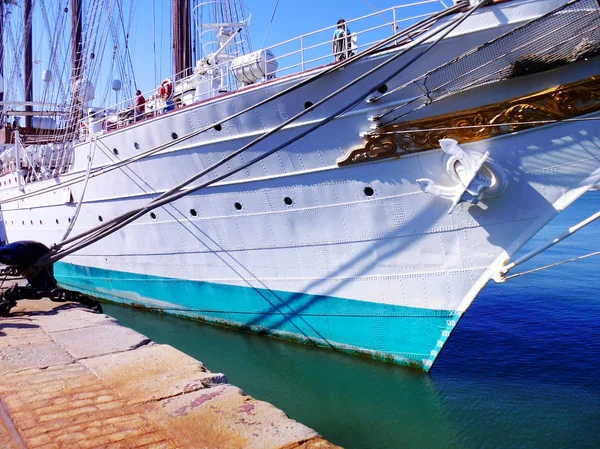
x: 388, y: 274
x: 391, y: 333
x: 324, y: 242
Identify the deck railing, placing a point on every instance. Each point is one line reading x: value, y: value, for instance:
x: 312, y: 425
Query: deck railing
x: 293, y: 56
x: 314, y: 49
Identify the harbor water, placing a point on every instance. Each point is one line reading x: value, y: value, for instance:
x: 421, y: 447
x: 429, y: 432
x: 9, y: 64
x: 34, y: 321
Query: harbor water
x: 522, y: 369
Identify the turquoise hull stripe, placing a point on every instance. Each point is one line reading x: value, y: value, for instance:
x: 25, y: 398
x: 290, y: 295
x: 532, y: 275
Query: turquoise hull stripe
x: 405, y: 335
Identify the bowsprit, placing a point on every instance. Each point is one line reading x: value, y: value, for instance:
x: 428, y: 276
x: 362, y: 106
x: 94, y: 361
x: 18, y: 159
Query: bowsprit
x: 20, y: 259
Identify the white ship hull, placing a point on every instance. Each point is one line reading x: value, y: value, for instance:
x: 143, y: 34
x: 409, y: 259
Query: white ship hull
x: 353, y: 257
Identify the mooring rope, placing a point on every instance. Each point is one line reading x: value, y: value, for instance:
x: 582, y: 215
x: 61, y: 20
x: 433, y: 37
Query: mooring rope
x: 427, y: 23
x: 91, y: 236
x: 118, y: 219
x: 222, y: 161
x: 447, y: 28
x: 556, y: 264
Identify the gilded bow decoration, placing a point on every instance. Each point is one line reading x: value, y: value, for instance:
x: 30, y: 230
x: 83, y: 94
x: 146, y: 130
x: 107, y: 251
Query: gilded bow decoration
x: 559, y: 103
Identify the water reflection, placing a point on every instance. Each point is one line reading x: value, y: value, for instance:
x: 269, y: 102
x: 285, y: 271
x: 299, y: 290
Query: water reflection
x: 353, y: 401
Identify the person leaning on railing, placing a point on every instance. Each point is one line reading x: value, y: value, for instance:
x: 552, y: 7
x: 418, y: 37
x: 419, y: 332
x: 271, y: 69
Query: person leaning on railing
x: 342, y: 41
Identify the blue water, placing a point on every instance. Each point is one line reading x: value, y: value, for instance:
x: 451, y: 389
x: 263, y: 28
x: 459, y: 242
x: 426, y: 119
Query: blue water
x: 522, y: 369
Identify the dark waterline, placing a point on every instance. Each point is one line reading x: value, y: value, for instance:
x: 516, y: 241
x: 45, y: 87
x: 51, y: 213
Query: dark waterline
x: 521, y: 370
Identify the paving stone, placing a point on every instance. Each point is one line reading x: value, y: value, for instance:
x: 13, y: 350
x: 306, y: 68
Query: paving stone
x: 56, y: 319
x: 99, y: 340
x: 223, y: 416
x: 30, y: 307
x: 65, y: 419
x: 16, y: 358
x: 13, y: 323
x: 21, y: 333
x: 152, y: 372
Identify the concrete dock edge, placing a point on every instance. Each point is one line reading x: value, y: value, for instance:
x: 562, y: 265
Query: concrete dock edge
x: 71, y: 378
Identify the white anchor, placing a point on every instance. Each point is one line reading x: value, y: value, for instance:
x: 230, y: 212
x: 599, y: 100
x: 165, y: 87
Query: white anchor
x: 477, y: 176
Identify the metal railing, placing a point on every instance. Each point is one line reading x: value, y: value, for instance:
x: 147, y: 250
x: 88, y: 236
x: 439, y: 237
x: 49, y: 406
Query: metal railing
x: 302, y: 53
x: 314, y: 49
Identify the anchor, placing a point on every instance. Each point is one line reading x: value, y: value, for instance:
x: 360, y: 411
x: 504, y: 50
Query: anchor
x: 475, y: 174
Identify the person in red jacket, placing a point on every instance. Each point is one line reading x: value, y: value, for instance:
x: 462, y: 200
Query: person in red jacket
x: 140, y: 104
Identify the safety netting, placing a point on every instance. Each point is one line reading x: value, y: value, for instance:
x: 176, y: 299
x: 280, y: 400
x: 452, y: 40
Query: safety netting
x: 565, y: 35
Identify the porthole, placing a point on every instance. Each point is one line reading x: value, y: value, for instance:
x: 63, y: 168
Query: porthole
x: 57, y: 221
x: 9, y: 181
x: 116, y: 151
x: 69, y: 219
x: 382, y: 89
x: 41, y: 222
x: 31, y: 221
x: 193, y: 212
x: 308, y: 104
x: 174, y: 136
x: 136, y: 145
x: 100, y: 218
x: 287, y: 200
x: 218, y: 127
x: 238, y: 206
x: 22, y: 221
x: 369, y: 191
x: 153, y: 215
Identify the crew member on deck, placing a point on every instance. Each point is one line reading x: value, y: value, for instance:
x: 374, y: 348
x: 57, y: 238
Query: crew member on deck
x: 165, y: 91
x: 140, y: 104
x: 342, y: 41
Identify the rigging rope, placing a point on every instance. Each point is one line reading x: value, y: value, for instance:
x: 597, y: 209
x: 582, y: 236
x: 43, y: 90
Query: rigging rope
x: 126, y: 36
x: 428, y: 22
x: 387, y: 20
x: 98, y: 233
x: 154, y: 40
x: 270, y: 23
x: 449, y: 25
x: 504, y: 53
x: 100, y: 228
x: 91, y: 155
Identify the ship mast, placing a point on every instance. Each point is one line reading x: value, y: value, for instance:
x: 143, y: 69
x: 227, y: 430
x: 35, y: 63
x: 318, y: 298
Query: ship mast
x: 28, y: 61
x: 76, y: 62
x: 182, y: 41
x: 1, y: 55
x: 76, y: 21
